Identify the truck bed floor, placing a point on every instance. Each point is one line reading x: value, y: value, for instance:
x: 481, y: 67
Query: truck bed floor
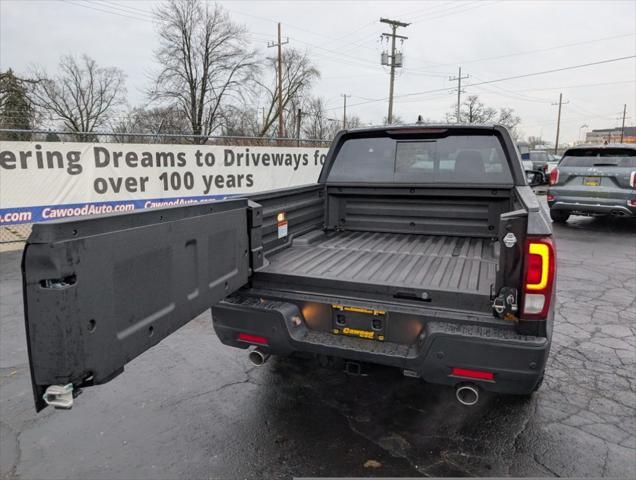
x: 422, y: 262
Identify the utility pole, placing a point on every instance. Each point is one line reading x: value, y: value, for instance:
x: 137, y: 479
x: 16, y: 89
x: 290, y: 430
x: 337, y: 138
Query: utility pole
x: 344, y: 111
x: 279, y: 44
x: 395, y: 62
x: 299, y: 116
x: 556, y: 145
x: 623, y: 126
x: 459, y: 79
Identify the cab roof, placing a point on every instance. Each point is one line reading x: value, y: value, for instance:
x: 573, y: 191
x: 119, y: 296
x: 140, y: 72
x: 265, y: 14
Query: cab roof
x: 419, y: 126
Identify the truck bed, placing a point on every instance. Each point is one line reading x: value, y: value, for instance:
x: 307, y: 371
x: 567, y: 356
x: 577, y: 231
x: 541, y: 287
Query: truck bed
x: 396, y: 262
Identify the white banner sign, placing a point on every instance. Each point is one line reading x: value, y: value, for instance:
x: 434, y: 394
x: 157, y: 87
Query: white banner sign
x: 47, y: 180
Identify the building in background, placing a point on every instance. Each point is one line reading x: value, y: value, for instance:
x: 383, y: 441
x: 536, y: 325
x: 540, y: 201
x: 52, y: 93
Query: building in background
x: 611, y: 135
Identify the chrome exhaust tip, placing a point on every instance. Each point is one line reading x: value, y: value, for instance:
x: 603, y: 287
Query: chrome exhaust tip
x: 257, y: 357
x: 467, y: 394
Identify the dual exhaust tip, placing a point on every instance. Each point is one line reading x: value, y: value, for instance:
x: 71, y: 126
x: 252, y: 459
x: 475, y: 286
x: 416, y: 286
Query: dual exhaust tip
x: 467, y: 394
x: 257, y: 357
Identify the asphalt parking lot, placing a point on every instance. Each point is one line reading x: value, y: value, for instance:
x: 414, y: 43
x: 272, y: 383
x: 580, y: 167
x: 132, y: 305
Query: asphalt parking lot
x: 193, y: 408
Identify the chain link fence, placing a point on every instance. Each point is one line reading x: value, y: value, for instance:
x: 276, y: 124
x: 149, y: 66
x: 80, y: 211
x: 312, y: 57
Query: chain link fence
x: 14, y: 236
x: 158, y: 138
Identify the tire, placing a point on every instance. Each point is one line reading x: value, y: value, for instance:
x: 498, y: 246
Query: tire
x: 559, y: 216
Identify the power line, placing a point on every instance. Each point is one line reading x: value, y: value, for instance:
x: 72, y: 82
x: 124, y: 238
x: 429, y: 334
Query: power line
x: 122, y: 8
x: 582, y: 85
x: 126, y: 5
x: 514, y: 77
x: 91, y: 7
x: 500, y: 79
x: 457, y: 9
x: 412, y: 13
x: 538, y: 50
x: 442, y: 10
x: 511, y: 93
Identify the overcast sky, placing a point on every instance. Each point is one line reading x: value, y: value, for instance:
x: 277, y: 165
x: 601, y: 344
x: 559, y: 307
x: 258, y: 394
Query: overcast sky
x: 490, y: 39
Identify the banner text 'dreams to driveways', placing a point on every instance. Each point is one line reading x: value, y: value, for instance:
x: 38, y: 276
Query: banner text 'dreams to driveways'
x: 46, y: 180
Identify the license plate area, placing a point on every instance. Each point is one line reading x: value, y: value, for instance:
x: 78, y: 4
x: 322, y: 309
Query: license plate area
x: 358, y: 322
x: 592, y: 181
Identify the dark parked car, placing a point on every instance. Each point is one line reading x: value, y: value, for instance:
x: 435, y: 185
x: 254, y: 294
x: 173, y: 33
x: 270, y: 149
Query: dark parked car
x: 594, y: 180
x: 419, y: 248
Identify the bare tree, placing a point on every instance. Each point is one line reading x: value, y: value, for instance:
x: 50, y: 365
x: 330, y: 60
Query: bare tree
x: 205, y: 62
x: 299, y: 74
x: 472, y: 110
x: 83, y: 95
x: 396, y: 120
x: 353, y: 121
x: 241, y: 121
x: 508, y: 118
x: 158, y: 120
x: 318, y: 125
x: 534, y: 141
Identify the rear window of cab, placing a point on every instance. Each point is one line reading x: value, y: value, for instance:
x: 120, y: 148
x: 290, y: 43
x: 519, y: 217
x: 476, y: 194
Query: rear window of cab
x: 453, y: 159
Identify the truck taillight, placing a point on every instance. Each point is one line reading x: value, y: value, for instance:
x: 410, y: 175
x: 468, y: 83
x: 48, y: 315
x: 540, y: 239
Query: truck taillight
x: 632, y: 180
x: 538, y: 277
x: 554, y: 176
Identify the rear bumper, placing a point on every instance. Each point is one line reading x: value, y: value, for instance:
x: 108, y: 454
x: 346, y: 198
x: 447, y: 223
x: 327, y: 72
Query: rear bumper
x: 592, y: 205
x: 516, y: 361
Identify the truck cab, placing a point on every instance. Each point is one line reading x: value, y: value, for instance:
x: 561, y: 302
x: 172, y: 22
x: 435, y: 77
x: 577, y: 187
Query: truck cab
x: 419, y: 247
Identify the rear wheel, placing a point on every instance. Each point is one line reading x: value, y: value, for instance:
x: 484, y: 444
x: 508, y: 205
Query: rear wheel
x: 559, y: 216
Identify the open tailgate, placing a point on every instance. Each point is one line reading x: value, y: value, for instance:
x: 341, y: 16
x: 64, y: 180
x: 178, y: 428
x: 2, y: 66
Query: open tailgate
x: 98, y: 291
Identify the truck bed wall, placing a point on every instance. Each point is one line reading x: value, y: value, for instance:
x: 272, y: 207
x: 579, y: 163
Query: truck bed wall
x: 455, y: 212
x: 304, y: 209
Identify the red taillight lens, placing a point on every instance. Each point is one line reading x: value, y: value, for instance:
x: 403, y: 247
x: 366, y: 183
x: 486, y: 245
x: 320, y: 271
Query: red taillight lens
x: 535, y: 269
x: 550, y: 197
x: 554, y: 176
x: 540, y: 268
x: 467, y: 373
x: 248, y: 337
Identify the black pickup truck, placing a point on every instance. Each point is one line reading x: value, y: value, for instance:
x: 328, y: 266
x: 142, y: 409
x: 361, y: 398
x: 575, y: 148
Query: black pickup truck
x: 420, y: 247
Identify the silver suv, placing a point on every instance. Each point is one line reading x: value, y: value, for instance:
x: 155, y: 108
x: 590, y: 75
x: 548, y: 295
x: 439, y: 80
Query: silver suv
x: 593, y: 180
